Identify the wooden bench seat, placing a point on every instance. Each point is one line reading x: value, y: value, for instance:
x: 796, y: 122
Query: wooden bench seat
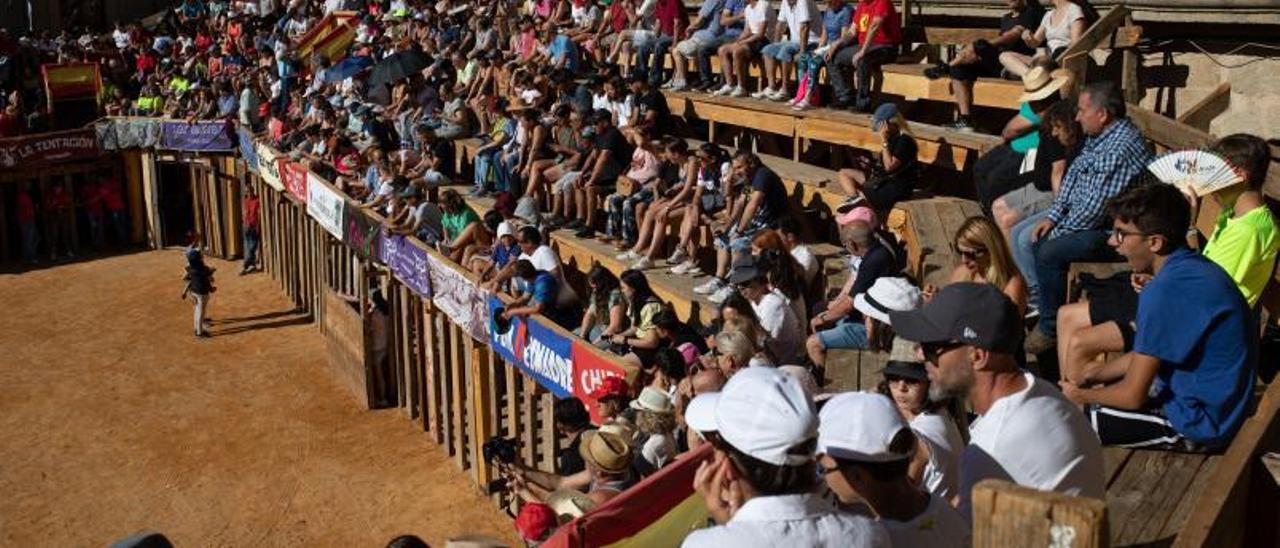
x: 938, y: 145
x: 909, y: 81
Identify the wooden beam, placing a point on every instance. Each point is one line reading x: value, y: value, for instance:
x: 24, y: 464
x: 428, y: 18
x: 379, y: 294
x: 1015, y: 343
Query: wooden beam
x: 1202, y: 114
x: 1076, y: 58
x: 1005, y: 514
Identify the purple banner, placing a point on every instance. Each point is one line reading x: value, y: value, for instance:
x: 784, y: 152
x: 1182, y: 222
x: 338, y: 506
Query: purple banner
x: 409, y: 263
x: 196, y: 136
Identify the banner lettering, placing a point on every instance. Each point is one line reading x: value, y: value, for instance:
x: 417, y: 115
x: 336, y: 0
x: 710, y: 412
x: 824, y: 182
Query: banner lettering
x: 361, y: 232
x: 269, y: 167
x: 197, y: 136
x: 324, y: 205
x: 407, y: 262
x: 538, y: 350
x: 461, y: 300
x: 48, y: 148
x: 589, y: 370
x: 294, y: 176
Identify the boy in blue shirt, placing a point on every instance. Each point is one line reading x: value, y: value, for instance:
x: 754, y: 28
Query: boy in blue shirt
x: 1187, y: 384
x: 539, y: 296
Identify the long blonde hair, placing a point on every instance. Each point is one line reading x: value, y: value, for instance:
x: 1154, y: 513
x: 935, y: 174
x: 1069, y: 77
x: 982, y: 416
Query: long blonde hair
x: 981, y: 233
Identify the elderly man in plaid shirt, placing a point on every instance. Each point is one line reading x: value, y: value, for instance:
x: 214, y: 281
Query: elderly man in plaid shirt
x: 1045, y: 245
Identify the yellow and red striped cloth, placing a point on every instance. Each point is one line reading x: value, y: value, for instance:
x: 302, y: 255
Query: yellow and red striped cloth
x: 331, y: 37
x: 71, y: 80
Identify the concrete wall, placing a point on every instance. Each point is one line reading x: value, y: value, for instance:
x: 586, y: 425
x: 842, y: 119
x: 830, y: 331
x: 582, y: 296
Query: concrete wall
x: 1176, y: 80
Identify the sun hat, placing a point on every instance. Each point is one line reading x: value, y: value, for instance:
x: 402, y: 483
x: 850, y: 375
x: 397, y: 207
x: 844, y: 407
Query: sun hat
x: 860, y: 426
x: 904, y: 361
x: 654, y: 400
x: 1039, y: 83
x: 761, y: 412
x: 605, y: 450
x: 569, y: 504
x: 887, y: 294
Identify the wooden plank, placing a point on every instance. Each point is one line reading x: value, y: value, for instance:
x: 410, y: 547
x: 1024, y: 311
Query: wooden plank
x: 1188, y: 503
x: 1136, y: 482
x: 1114, y: 459
x: 456, y: 373
x: 780, y: 124
x: 431, y: 386
x: 483, y: 420
x: 548, y: 431
x: 1201, y: 114
x: 1154, y: 509
x: 445, y: 373
x: 1005, y: 514
x: 528, y: 420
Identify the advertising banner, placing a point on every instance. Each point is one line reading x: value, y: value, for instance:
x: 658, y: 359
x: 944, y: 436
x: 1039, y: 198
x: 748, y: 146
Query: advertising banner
x: 48, y: 148
x: 248, y: 150
x: 294, y: 177
x: 361, y: 232
x: 464, y: 302
x: 407, y: 262
x: 269, y: 167
x: 324, y: 205
x: 123, y: 134
x: 539, y: 351
x: 196, y: 136
x: 589, y: 370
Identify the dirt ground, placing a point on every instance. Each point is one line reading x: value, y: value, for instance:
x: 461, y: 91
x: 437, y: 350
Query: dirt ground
x: 115, y: 419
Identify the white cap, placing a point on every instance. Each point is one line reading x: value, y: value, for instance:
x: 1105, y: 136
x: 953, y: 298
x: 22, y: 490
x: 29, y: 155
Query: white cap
x: 888, y: 294
x: 653, y: 399
x: 761, y: 412
x: 859, y: 426
x: 504, y: 229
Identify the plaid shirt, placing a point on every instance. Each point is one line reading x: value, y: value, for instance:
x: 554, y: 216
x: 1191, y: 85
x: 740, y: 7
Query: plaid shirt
x: 1103, y: 169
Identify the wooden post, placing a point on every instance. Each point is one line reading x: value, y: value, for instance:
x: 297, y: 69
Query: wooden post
x: 549, y: 431
x: 457, y: 371
x: 482, y: 418
x: 1129, y: 70
x: 1005, y: 514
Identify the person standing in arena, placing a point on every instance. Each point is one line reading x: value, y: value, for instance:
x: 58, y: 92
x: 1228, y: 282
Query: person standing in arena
x: 251, y: 206
x: 199, y: 277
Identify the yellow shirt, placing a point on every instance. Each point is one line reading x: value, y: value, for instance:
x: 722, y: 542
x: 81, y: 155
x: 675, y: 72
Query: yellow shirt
x: 1246, y: 248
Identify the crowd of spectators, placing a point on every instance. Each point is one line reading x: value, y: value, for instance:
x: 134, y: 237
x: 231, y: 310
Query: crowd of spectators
x: 566, y: 98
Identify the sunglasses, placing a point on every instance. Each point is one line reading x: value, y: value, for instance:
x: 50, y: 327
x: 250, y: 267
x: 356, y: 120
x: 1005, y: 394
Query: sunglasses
x: 933, y: 351
x: 971, y: 255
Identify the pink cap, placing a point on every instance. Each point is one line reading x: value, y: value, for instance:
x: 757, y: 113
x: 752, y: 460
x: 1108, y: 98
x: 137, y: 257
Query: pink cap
x: 690, y: 354
x: 864, y: 214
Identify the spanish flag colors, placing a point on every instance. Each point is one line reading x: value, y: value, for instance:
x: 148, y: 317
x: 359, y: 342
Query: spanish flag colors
x: 331, y: 37
x: 71, y: 81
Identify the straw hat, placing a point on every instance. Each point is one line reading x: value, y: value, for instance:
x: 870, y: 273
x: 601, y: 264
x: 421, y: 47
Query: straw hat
x: 653, y: 400
x: 606, y: 451
x: 569, y: 504
x: 1039, y: 83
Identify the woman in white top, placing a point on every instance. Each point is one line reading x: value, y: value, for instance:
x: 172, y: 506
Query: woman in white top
x: 1060, y: 28
x: 936, y: 464
x: 656, y: 421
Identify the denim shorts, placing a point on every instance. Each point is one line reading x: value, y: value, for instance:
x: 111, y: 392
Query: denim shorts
x: 846, y: 334
x: 782, y: 51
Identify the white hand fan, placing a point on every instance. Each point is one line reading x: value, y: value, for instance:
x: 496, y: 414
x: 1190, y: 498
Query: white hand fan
x: 1198, y: 171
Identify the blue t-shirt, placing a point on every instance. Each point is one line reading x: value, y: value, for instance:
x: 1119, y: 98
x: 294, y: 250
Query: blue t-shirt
x: 709, y: 13
x: 1194, y: 320
x: 562, y: 47
x: 836, y: 21
x: 503, y: 254
x: 544, y: 290
x: 735, y: 8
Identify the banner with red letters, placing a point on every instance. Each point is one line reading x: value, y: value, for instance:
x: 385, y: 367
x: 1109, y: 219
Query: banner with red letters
x: 590, y: 368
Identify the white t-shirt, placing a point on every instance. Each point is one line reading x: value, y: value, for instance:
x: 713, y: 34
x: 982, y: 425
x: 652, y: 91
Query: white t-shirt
x: 808, y: 520
x: 807, y: 260
x: 659, y: 449
x: 757, y: 16
x: 1059, y: 36
x: 1035, y: 438
x: 939, y: 526
x: 940, y: 433
x: 544, y: 258
x: 798, y: 12
x: 786, y: 335
x: 121, y: 38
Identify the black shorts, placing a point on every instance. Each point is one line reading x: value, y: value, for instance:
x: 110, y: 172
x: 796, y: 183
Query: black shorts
x: 988, y: 65
x: 882, y: 193
x: 1118, y: 306
x: 1141, y: 429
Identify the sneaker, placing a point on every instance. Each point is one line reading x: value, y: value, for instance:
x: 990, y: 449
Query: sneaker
x: 678, y: 86
x: 669, y: 85
x: 738, y: 91
x: 1038, y: 342
x: 725, y: 90
x: 585, y: 232
x: 1033, y: 313
x: 937, y: 71
x: 720, y: 296
x: 678, y: 257
x: 762, y: 94
x: 777, y: 95
x: 712, y: 286
x: 961, y: 125
x: 643, y: 263
x: 627, y: 256
x: 684, y: 268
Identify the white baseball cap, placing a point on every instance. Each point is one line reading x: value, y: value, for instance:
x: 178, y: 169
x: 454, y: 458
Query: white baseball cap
x: 761, y: 412
x: 888, y: 294
x: 504, y: 229
x: 859, y: 426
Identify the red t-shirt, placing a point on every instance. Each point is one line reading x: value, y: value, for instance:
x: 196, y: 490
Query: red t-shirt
x: 145, y: 63
x: 890, y: 32
x: 26, y: 209
x: 111, y: 195
x: 619, y: 15
x: 91, y: 194
x: 669, y: 12
x: 251, y: 207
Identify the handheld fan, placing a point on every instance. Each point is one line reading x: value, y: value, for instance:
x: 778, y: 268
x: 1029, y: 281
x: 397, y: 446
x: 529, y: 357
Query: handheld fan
x: 1198, y: 171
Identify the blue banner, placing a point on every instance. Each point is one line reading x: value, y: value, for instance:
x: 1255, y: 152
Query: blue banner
x: 407, y: 262
x: 196, y: 136
x: 538, y: 350
x: 248, y: 149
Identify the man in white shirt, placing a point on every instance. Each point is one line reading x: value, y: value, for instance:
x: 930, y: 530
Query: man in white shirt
x: 543, y: 258
x: 865, y: 448
x: 796, y: 18
x: 1027, y: 432
x: 786, y: 332
x: 760, y: 487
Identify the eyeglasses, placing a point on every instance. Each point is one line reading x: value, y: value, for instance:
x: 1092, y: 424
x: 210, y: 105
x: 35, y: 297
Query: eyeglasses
x: 971, y: 255
x: 933, y: 351
x: 1119, y: 234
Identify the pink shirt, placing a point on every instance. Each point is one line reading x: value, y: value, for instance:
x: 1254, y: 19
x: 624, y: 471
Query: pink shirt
x: 644, y: 166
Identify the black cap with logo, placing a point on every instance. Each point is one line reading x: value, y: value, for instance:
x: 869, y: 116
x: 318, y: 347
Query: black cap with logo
x: 971, y: 313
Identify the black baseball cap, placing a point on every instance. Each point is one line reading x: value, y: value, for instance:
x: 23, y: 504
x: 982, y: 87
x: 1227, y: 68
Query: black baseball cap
x: 976, y: 314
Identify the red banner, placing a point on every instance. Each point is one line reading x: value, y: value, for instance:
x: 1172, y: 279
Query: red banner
x: 48, y: 148
x: 589, y: 370
x: 294, y: 177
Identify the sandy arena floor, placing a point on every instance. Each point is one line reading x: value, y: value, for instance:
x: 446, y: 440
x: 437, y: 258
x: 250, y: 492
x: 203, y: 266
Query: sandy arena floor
x: 115, y: 419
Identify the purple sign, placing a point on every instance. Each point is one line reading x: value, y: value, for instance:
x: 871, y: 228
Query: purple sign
x: 408, y: 262
x: 196, y: 136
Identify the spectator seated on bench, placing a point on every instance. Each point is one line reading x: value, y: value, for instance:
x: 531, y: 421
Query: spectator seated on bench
x: 1187, y: 385
x: 871, y: 42
x: 809, y: 63
x: 998, y: 172
x: 736, y: 56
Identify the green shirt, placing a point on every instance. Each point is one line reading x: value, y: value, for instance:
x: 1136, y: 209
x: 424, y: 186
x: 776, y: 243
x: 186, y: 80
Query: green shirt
x: 455, y: 223
x: 1246, y: 249
x: 1030, y: 139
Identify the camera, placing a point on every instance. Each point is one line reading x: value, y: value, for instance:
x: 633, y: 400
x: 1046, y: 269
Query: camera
x: 500, y: 450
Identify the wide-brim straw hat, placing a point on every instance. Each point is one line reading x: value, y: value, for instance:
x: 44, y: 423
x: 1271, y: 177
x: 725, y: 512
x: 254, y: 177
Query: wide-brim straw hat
x: 1039, y: 83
